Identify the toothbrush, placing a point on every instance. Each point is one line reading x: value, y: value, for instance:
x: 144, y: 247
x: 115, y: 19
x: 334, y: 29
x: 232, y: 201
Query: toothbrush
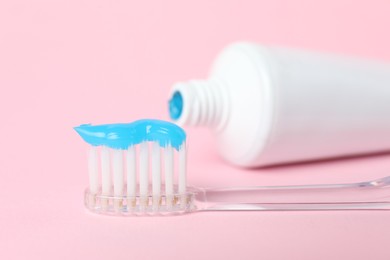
x: 154, y: 153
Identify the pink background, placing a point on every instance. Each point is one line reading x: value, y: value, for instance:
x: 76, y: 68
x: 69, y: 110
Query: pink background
x: 63, y: 63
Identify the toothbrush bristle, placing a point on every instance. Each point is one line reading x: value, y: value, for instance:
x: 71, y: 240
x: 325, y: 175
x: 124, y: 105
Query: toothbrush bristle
x: 168, y: 163
x: 105, y: 168
x: 117, y: 171
x: 143, y: 173
x: 156, y: 174
x: 93, y: 170
x: 131, y: 169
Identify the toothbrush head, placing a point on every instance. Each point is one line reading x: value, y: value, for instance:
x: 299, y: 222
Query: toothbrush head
x: 137, y: 168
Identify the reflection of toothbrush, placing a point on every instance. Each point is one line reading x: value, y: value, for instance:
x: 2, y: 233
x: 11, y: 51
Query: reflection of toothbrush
x: 121, y: 148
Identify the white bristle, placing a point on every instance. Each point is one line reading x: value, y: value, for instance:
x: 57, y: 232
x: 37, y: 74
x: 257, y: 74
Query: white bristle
x: 105, y: 167
x: 136, y: 160
x: 182, y: 169
x: 117, y: 169
x: 168, y: 163
x: 131, y: 172
x: 93, y: 170
x: 143, y: 170
x: 182, y: 174
x: 156, y: 172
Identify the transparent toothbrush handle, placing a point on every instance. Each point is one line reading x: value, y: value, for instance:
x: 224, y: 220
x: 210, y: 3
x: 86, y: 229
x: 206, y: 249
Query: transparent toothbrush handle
x: 364, y: 195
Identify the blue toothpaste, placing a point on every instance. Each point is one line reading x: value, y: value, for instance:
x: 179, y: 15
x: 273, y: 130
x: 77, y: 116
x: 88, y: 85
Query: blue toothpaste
x: 122, y: 136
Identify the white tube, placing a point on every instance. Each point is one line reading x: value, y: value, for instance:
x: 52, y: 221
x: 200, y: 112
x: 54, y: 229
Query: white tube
x: 272, y: 105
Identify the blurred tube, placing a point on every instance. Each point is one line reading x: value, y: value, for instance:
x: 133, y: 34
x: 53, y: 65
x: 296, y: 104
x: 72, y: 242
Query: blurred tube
x: 271, y: 105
